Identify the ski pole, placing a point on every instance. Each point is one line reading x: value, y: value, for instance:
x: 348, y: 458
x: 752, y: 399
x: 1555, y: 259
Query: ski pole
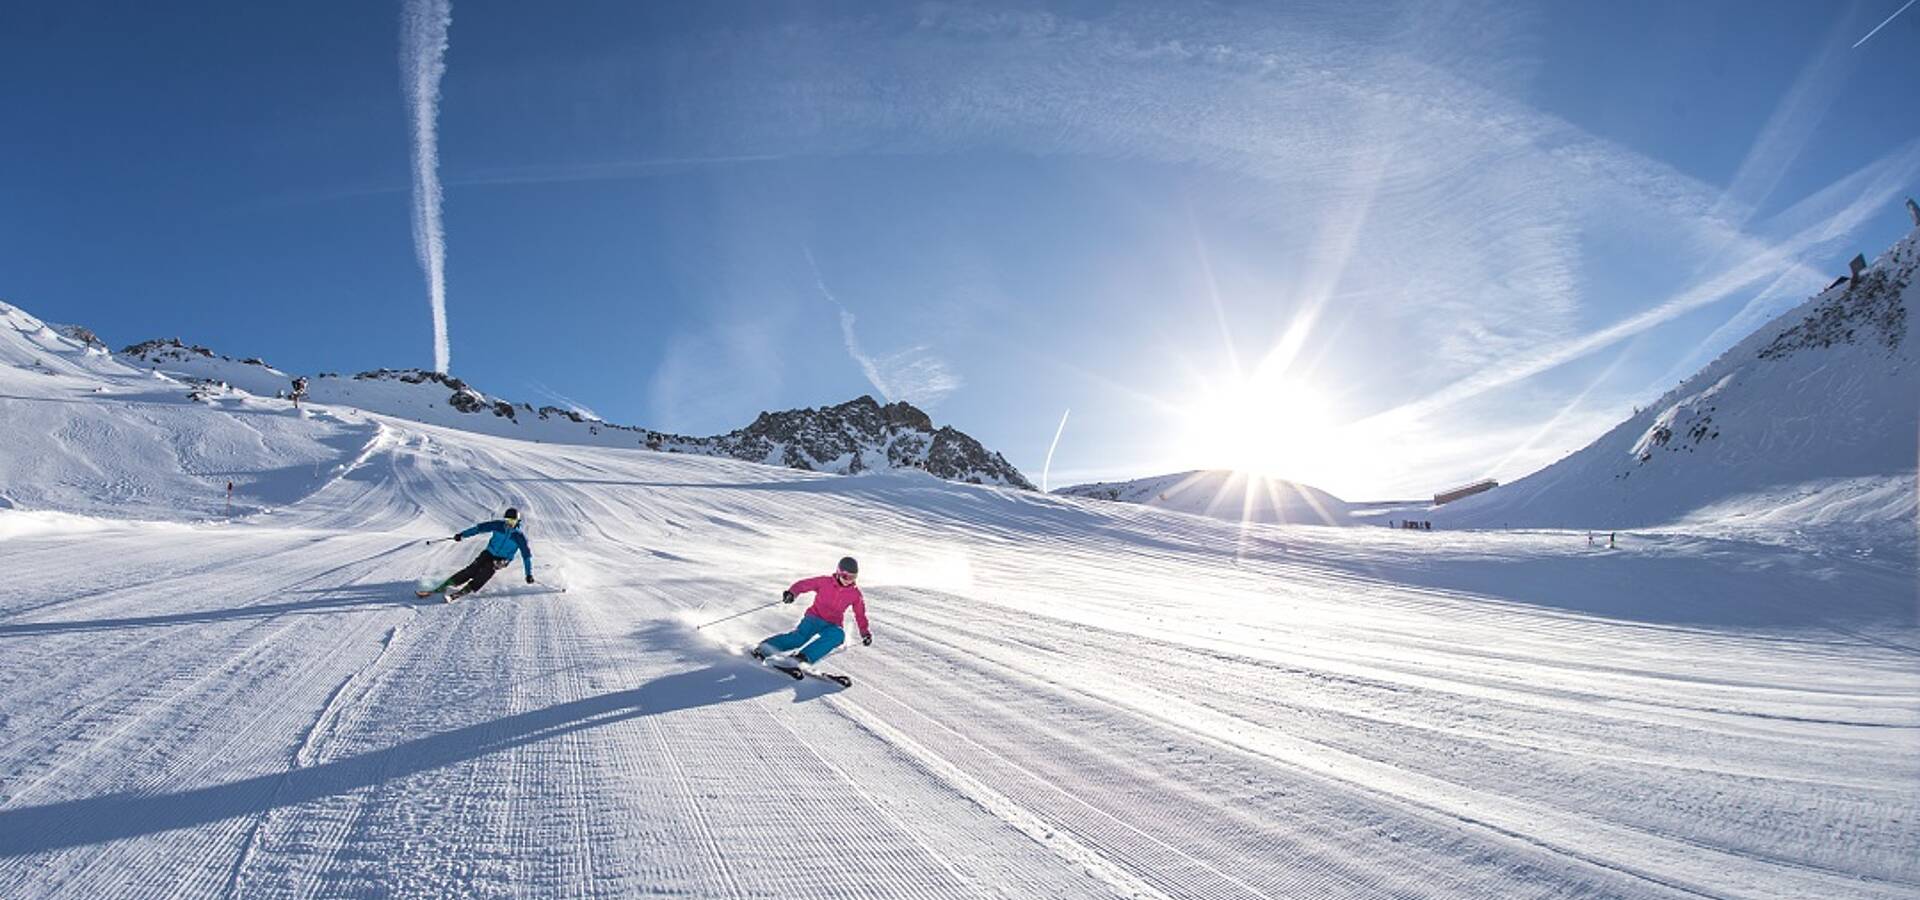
x: 439, y: 540
x: 739, y: 614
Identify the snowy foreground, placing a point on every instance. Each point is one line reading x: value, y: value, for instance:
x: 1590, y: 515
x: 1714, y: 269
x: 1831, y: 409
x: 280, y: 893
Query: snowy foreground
x: 1065, y: 698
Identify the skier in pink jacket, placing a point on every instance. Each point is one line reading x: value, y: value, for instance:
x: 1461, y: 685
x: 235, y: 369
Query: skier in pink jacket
x: 820, y: 631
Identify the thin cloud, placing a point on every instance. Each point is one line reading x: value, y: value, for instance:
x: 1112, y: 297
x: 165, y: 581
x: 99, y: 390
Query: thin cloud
x: 423, y: 60
x: 565, y: 402
x: 705, y: 378
x: 1789, y: 129
x: 868, y: 366
x: 1470, y: 195
x: 1883, y: 24
x: 919, y: 377
x: 621, y: 170
x: 1889, y: 175
x: 914, y: 375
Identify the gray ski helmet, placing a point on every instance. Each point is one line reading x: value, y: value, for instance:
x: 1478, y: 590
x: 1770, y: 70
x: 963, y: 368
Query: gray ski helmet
x: 849, y: 565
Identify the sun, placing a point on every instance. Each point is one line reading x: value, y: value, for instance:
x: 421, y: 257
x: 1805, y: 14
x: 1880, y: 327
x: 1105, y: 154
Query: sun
x: 1275, y: 426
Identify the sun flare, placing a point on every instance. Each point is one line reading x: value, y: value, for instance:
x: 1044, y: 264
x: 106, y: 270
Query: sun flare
x: 1279, y: 427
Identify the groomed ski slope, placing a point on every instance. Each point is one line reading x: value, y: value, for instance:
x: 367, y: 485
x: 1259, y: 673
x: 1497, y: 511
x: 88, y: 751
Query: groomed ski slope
x: 1065, y: 698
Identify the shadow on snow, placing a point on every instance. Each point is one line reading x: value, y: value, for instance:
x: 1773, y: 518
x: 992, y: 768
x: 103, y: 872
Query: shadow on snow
x: 717, y: 678
x: 371, y: 596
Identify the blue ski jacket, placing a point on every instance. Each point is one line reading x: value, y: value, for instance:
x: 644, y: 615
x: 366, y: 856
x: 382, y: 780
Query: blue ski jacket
x: 505, y: 541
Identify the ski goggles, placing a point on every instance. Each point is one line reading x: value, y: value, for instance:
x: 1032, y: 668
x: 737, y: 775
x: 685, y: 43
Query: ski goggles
x: 846, y: 577
x: 511, y: 522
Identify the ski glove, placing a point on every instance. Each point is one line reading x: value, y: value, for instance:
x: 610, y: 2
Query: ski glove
x: 457, y: 537
x: 529, y: 579
x: 786, y: 596
x: 866, y: 640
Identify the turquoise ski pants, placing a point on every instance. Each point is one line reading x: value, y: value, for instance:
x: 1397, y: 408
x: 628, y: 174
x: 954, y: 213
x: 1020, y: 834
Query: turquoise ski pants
x: 813, y: 637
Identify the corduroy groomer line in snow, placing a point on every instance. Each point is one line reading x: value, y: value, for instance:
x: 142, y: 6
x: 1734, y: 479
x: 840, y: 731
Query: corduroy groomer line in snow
x: 423, y: 59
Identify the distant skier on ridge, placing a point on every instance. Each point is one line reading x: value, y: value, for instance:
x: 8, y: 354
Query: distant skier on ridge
x: 507, y: 540
x: 819, y: 632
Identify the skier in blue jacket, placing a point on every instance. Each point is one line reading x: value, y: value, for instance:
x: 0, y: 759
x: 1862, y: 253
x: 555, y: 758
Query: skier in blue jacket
x: 507, y: 540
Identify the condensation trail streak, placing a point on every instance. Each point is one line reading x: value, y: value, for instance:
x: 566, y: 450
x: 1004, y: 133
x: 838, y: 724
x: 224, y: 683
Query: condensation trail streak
x: 423, y: 60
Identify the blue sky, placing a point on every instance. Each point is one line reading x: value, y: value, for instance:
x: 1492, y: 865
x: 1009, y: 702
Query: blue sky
x: 1381, y: 252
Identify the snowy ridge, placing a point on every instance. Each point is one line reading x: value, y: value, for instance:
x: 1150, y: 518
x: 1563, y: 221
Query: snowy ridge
x: 1223, y: 494
x: 1815, y: 408
x: 90, y: 435
x: 856, y: 436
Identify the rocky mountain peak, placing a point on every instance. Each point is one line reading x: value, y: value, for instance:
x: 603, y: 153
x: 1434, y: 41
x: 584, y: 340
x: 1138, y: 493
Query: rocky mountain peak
x: 166, y: 349
x: 855, y: 436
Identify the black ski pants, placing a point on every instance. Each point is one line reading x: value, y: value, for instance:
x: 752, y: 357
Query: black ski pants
x: 477, y: 573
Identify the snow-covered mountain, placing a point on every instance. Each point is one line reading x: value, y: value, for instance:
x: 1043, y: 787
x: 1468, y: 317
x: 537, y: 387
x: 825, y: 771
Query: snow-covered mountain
x: 1224, y: 494
x: 1813, y: 420
x: 857, y: 436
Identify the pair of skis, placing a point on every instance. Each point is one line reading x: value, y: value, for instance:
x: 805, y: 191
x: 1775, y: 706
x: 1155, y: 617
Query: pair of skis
x: 448, y: 596
x: 797, y: 670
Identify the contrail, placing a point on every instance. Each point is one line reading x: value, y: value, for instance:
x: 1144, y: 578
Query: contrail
x: 1047, y: 468
x: 1883, y: 24
x: 867, y: 364
x: 423, y: 59
x: 912, y: 375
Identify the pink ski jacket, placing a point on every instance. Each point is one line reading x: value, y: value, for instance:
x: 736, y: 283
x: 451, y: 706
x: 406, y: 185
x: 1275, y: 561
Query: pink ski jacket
x: 830, y: 600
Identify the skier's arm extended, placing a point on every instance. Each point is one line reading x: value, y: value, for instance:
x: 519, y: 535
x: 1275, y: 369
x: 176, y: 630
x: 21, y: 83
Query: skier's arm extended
x: 809, y: 585
x: 860, y: 616
x: 526, y: 554
x: 494, y: 525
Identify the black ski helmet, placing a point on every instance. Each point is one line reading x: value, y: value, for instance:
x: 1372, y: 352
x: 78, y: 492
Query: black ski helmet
x: 849, y: 565
x: 511, y: 513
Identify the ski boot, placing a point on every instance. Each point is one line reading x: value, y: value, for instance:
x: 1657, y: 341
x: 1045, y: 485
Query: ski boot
x: 789, y: 664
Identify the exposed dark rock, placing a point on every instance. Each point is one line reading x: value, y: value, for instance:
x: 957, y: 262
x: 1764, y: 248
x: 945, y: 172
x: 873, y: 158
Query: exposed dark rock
x: 413, y: 376
x: 958, y: 457
x: 467, y: 401
x: 1870, y: 302
x: 82, y: 334
x: 168, y: 348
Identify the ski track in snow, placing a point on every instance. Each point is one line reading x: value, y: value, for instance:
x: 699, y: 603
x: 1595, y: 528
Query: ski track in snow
x: 1065, y: 699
